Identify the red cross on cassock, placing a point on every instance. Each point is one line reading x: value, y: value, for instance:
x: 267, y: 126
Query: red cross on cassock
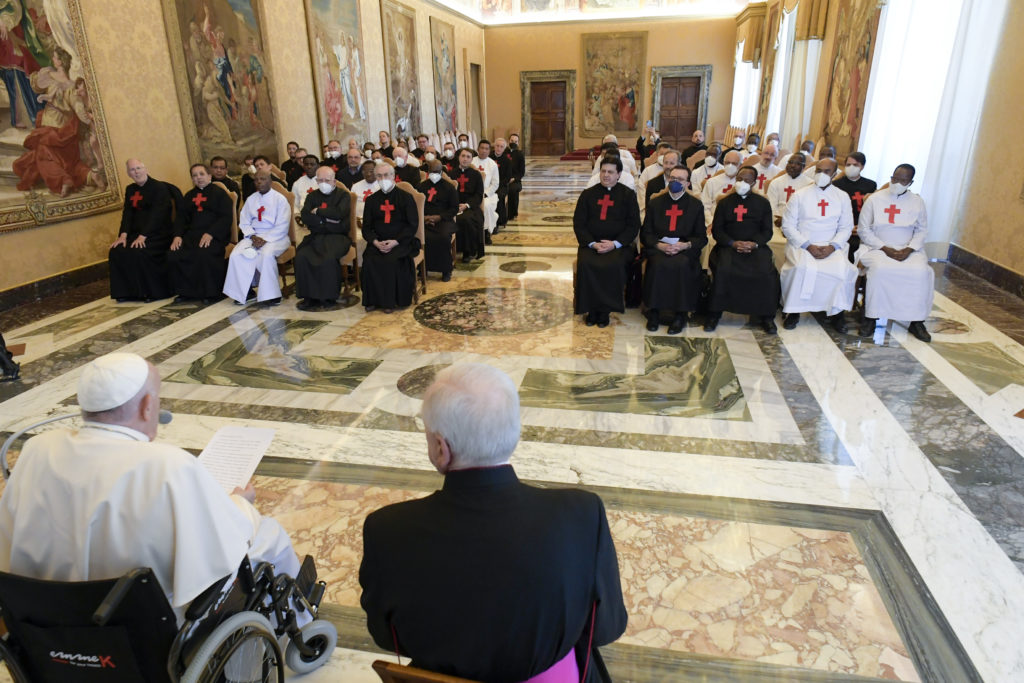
x: 309, y: 190
x: 366, y: 193
x: 822, y: 204
x: 605, y: 203
x: 725, y: 190
x: 431, y: 193
x: 859, y: 198
x: 789, y: 192
x: 480, y: 168
x: 740, y: 212
x: 673, y: 213
x: 135, y: 199
x: 259, y: 213
x: 462, y: 183
x: 892, y: 211
x: 323, y: 205
x: 198, y: 201
x: 760, y: 181
x: 387, y: 207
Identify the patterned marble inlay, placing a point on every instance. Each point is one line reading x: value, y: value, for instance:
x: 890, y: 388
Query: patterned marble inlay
x: 941, y: 325
x: 524, y: 266
x: 983, y: 363
x: 534, y: 238
x: 263, y: 359
x: 80, y: 322
x: 415, y: 382
x: 494, y: 311
x: 684, y: 377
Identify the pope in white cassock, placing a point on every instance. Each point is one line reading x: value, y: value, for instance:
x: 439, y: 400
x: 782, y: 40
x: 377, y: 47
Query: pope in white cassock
x: 817, y: 275
x: 489, y: 170
x: 892, y: 229
x: 95, y: 502
x: 265, y: 219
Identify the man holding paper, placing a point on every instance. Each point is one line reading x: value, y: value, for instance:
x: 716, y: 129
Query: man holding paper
x: 96, y: 502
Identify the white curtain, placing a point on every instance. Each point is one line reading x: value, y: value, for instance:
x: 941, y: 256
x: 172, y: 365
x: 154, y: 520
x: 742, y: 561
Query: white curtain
x: 803, y: 76
x: 783, y: 52
x: 744, y: 91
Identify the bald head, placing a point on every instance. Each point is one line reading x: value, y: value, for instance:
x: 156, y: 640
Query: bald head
x: 136, y: 171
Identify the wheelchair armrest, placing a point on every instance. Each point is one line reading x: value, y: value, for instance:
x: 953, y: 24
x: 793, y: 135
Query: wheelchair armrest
x: 205, y: 600
x: 113, y: 599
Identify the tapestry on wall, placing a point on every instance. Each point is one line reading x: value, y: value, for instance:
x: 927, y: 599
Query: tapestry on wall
x: 399, y: 25
x: 613, y: 70
x: 768, y: 54
x: 442, y: 45
x: 336, y: 46
x: 52, y: 130
x: 856, y: 29
x: 222, y: 78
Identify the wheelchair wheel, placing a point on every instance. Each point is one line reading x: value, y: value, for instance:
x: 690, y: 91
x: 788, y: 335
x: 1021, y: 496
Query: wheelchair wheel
x: 15, y: 670
x: 241, y: 633
x: 317, y: 634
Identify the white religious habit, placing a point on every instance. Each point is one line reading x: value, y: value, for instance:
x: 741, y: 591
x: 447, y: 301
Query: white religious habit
x: 779, y: 191
x: 897, y: 290
x: 816, y: 216
x: 701, y: 174
x: 715, y: 188
x: 624, y: 179
x: 300, y: 188
x: 628, y: 163
x: 362, y: 190
x: 489, y: 170
x: 649, y: 174
x: 764, y: 175
x: 267, y: 216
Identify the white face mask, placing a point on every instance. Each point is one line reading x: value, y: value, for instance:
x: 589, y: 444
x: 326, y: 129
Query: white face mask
x: 449, y: 153
x: 368, y: 153
x: 822, y: 179
x: 326, y: 187
x: 400, y: 162
x: 737, y: 141
x: 251, y: 168
x: 710, y: 161
x: 730, y: 169
x: 387, y: 184
x: 852, y: 172
x: 661, y: 160
x: 378, y: 162
x: 742, y: 188
x: 897, y: 188
x: 429, y: 156
x: 334, y: 153
x: 434, y: 177
x: 751, y: 148
x: 463, y: 144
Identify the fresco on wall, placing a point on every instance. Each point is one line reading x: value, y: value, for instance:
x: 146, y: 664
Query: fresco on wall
x: 614, y: 66
x: 399, y: 26
x: 336, y: 50
x: 222, y: 78
x: 56, y: 162
x: 442, y: 47
x: 856, y: 28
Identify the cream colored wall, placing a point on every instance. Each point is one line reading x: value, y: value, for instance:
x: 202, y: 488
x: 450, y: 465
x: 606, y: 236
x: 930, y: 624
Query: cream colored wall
x: 287, y: 46
x: 511, y: 49
x: 991, y: 216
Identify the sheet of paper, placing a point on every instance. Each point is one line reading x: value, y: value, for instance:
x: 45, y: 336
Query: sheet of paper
x: 233, y: 454
x: 669, y: 240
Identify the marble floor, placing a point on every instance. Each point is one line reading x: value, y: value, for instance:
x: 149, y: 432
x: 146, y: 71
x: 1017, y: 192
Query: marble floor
x: 805, y: 507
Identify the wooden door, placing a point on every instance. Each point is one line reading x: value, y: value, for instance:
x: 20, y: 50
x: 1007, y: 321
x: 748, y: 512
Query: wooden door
x: 677, y: 115
x: 547, y: 118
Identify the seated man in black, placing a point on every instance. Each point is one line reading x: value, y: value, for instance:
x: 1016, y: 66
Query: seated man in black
x: 606, y: 221
x: 673, y: 237
x: 390, y: 223
x: 488, y: 578
x: 10, y: 369
x: 441, y: 203
x: 219, y: 171
x: 470, y: 221
x: 326, y: 213
x: 202, y: 231
x: 138, y: 257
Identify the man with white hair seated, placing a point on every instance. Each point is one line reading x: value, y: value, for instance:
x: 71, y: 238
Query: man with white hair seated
x: 489, y: 578
x: 628, y: 162
x: 96, y: 502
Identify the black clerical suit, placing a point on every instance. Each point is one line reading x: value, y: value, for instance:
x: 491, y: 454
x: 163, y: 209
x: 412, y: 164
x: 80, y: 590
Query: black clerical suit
x: 7, y: 365
x: 673, y: 282
x: 691, y: 150
x: 388, y: 279
x: 504, y: 162
x: 198, y: 272
x: 858, y: 190
x: 518, y: 160
x: 407, y: 174
x: 653, y: 187
x: 450, y: 165
x: 141, y: 273
x: 388, y: 151
x: 491, y: 579
x: 349, y: 178
x: 601, y: 278
x: 470, y: 236
x: 232, y: 186
x: 440, y: 199
x: 743, y: 283
x: 643, y: 151
x: 318, y: 257
x: 292, y: 171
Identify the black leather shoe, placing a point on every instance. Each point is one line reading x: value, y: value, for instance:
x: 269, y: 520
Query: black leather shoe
x: 276, y: 301
x: 768, y: 325
x: 466, y: 258
x: 487, y: 238
x: 838, y: 322
x: 711, y: 322
x: 603, y: 320
x: 653, y: 320
x: 789, y: 322
x: 918, y: 329
x: 307, y: 305
x: 678, y: 323
x: 591, y: 319
x: 867, y: 327
x: 447, y: 277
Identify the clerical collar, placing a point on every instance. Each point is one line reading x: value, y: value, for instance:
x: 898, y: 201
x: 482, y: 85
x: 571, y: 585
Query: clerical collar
x: 118, y: 430
x: 676, y: 198
x: 479, y: 477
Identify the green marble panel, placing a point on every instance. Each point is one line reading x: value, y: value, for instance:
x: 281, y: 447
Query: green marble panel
x: 80, y: 322
x: 263, y: 359
x: 984, y: 363
x: 683, y: 377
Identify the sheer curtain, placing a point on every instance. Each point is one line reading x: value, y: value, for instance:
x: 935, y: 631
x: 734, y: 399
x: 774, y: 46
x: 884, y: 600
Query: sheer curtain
x: 803, y: 74
x: 744, y: 91
x: 783, y: 52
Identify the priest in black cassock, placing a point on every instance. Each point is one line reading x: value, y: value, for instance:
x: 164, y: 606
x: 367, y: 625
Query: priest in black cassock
x: 202, y: 231
x: 673, y: 236
x: 138, y: 257
x: 441, y: 203
x: 858, y: 187
x: 606, y: 221
x: 352, y: 173
x: 390, y: 223
x: 745, y: 279
x: 219, y: 171
x: 656, y: 184
x: 515, y: 185
x: 325, y: 212
x: 488, y: 578
x: 470, y: 221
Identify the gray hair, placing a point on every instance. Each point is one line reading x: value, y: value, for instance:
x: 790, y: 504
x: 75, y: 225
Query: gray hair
x: 475, y: 408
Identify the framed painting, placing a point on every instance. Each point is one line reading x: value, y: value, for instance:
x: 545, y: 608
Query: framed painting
x: 52, y: 131
x: 336, y: 48
x: 222, y: 78
x: 613, y: 69
x: 856, y: 29
x: 398, y: 23
x: 442, y: 47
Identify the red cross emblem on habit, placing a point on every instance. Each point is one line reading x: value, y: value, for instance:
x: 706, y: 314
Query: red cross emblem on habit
x: 480, y: 168
x: 789, y: 192
x: 387, y: 207
x: 605, y: 203
x: 323, y: 205
x: 726, y: 189
x: 259, y: 213
x: 673, y: 213
x: 431, y: 193
x: 740, y: 212
x: 859, y: 198
x: 135, y: 199
x: 892, y: 211
x: 822, y: 204
x: 198, y: 201
x: 366, y: 193
x: 309, y: 190
x: 760, y: 181
x: 462, y: 183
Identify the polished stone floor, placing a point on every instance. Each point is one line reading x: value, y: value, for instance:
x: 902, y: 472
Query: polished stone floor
x: 809, y: 506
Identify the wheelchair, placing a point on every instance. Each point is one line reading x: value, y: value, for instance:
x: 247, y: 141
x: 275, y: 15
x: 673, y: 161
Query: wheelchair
x: 124, y: 629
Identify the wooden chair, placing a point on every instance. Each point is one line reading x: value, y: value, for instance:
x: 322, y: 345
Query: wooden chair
x: 287, y: 257
x: 349, y: 260
x: 451, y: 181
x: 420, y: 261
x: 695, y: 158
x: 396, y: 673
x: 234, y: 217
x: 752, y: 160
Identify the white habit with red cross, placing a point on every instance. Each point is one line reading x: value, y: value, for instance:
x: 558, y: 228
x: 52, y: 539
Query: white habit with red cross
x: 897, y: 290
x: 489, y: 170
x: 764, y: 176
x: 715, y: 188
x: 267, y: 216
x: 782, y: 188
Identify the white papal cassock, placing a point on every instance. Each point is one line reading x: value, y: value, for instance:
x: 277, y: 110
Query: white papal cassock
x: 898, y: 290
x: 97, y: 502
x: 489, y: 170
x: 778, y: 193
x: 267, y: 216
x: 816, y: 216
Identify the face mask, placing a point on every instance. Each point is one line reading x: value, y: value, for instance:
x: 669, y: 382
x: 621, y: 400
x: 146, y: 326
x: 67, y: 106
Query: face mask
x: 387, y: 184
x: 513, y: 145
x: 378, y: 162
x: 710, y: 161
x: 463, y: 144
x: 429, y: 156
x: 736, y: 142
x: 897, y: 188
x: 742, y: 188
x: 661, y: 160
x: 822, y: 179
x: 675, y: 187
x: 334, y: 153
x: 449, y: 153
x: 400, y: 162
x: 751, y: 148
x: 368, y: 154
x: 251, y: 168
x: 730, y: 170
x: 326, y: 187
x: 434, y: 177
x: 852, y: 172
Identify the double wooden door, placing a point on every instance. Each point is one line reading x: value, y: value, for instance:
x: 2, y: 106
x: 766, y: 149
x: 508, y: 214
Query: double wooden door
x: 547, y: 118
x: 677, y: 113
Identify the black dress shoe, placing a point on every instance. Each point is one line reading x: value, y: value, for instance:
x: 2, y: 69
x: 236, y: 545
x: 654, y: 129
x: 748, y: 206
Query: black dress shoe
x: 591, y: 319
x: 653, y: 319
x: 276, y: 301
x: 370, y: 309
x: 838, y: 322
x: 711, y: 322
x: 487, y: 238
x: 918, y: 329
x: 447, y: 277
x: 790, y: 321
x: 677, y: 325
x: 867, y: 327
x: 307, y: 305
x: 603, y: 320
x: 466, y: 258
x: 768, y: 325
